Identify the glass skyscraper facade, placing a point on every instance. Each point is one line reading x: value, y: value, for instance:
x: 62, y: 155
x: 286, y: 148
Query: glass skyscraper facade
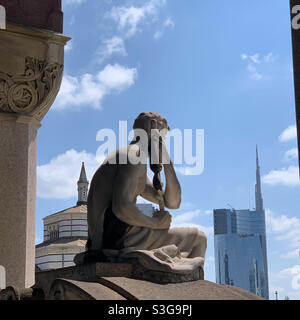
x: 240, y: 246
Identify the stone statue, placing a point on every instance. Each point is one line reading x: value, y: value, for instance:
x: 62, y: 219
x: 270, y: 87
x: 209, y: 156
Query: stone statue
x: 118, y: 228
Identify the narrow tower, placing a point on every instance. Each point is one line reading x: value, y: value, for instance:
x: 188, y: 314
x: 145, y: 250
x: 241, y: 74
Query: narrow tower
x: 83, y: 187
x: 259, y: 204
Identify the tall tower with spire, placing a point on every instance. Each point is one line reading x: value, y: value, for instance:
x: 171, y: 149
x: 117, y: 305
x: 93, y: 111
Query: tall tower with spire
x: 259, y: 204
x: 82, y: 187
x: 241, y: 246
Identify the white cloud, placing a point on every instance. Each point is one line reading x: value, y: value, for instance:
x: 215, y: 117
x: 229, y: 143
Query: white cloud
x: 287, y: 176
x: 289, y: 271
x: 129, y: 19
x: 288, y: 134
x: 116, y: 77
x: 281, y: 224
x: 291, y: 155
x: 256, y: 60
x: 58, y: 178
x: 69, y: 46
x: 284, y: 177
x: 284, y: 228
x: 89, y: 90
x: 113, y: 46
x: 286, y: 282
x: 187, y: 216
x: 292, y: 273
x: 185, y: 220
x: 168, y: 23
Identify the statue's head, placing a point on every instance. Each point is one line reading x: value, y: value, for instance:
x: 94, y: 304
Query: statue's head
x: 150, y: 120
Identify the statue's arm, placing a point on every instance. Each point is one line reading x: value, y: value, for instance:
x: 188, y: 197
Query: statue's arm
x: 172, y: 195
x: 123, y: 203
x: 150, y: 194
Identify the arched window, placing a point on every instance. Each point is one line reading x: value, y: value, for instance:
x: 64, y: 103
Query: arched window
x: 53, y: 232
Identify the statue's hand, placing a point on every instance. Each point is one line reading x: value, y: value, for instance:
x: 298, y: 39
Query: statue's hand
x: 162, y: 219
x: 163, y: 150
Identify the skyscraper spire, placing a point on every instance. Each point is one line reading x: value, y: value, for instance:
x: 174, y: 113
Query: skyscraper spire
x: 83, y: 186
x: 259, y: 204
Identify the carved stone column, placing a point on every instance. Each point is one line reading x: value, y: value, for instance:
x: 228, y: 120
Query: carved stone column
x: 31, y: 68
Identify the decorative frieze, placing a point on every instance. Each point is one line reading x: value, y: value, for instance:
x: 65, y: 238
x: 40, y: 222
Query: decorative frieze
x: 33, y: 92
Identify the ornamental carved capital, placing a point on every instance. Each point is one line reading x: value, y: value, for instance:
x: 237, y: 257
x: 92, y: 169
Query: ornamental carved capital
x: 32, y: 93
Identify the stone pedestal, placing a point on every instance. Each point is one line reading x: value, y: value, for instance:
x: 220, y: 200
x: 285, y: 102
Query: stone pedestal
x: 117, y: 281
x: 31, y: 68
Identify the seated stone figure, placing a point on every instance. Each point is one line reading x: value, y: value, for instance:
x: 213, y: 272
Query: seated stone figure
x: 117, y: 228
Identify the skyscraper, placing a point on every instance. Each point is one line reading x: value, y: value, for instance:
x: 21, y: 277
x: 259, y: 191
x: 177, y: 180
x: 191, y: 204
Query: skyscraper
x: 240, y: 245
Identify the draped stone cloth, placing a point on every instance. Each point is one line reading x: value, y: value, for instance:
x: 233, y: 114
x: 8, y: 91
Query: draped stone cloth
x: 175, y: 250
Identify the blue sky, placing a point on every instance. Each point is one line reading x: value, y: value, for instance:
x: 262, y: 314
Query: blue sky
x: 221, y: 66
